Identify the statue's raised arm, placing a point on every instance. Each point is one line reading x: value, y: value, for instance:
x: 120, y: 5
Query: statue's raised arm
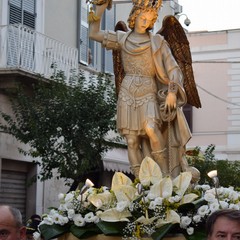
x: 151, y: 91
x: 95, y: 33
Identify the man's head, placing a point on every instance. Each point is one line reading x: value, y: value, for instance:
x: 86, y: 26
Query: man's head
x: 11, y: 227
x: 223, y: 224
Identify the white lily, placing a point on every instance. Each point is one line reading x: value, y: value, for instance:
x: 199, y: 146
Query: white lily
x: 120, y: 179
x: 146, y: 220
x: 188, y: 198
x: 149, y: 172
x: 122, y: 187
x: 125, y: 193
x: 171, y: 217
x: 112, y: 215
x: 161, y: 189
x: 101, y: 200
x: 182, y: 182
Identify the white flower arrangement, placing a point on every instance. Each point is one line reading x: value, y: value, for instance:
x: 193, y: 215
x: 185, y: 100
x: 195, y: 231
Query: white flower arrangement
x: 150, y: 206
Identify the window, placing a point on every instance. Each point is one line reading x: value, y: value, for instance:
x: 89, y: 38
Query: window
x: 109, y: 24
x: 187, y: 110
x: 99, y: 57
x: 22, y: 12
x: 83, y: 39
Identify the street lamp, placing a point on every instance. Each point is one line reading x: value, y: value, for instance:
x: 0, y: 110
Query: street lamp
x: 187, y: 21
x: 213, y: 175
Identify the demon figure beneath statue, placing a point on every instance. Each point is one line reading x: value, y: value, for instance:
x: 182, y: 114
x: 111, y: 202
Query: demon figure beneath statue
x: 152, y: 85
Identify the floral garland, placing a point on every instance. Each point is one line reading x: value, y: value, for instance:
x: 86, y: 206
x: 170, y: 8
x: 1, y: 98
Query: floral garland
x: 150, y: 206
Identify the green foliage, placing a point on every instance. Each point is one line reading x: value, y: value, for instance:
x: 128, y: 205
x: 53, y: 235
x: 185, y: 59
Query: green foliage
x: 228, y: 171
x: 65, y: 124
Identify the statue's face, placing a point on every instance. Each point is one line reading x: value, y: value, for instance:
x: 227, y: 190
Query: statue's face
x: 143, y: 21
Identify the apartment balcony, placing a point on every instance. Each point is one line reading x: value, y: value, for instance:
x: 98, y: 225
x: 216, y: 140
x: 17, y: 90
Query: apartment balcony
x: 26, y: 54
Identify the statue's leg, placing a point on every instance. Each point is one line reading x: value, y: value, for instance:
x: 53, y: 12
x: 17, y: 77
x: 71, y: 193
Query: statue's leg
x: 161, y: 158
x: 134, y: 153
x: 146, y: 147
x: 157, y: 141
x: 158, y: 146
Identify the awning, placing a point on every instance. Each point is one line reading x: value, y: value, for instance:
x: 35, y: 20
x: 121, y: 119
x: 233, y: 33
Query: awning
x: 116, y: 160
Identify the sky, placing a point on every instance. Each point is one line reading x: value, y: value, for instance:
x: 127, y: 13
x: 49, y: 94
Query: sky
x: 211, y: 15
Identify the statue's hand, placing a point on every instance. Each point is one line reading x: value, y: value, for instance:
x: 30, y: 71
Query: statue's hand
x: 101, y: 3
x: 171, y: 102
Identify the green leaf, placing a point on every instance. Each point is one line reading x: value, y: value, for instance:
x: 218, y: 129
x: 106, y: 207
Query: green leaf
x: 162, y: 231
x: 197, y: 236
x: 191, y: 206
x: 111, y: 228
x: 85, y: 232
x: 53, y: 231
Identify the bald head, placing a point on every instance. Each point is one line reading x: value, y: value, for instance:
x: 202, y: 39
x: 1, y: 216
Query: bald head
x: 11, y: 223
x: 12, y: 214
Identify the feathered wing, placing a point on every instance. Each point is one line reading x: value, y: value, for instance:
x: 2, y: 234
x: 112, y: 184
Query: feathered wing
x: 117, y: 60
x: 175, y: 35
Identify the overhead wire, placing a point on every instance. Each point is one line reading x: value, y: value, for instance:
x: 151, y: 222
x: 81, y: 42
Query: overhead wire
x: 205, y: 90
x: 215, y: 61
x: 219, y: 98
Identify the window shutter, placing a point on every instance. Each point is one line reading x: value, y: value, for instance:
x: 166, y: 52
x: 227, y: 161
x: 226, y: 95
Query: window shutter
x: 22, y: 12
x: 29, y: 13
x: 187, y: 110
x: 15, y: 13
x: 13, y: 189
x: 109, y: 25
x: 83, y: 41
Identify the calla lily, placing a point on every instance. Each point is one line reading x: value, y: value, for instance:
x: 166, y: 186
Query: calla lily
x: 149, y: 172
x: 112, y: 215
x: 101, y: 199
x: 120, y: 179
x: 182, y: 182
x: 171, y: 217
x: 188, y: 198
x: 125, y: 193
x: 145, y: 220
x: 161, y: 189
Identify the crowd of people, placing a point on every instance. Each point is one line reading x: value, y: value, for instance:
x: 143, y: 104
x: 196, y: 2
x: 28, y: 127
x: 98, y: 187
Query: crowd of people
x: 221, y: 225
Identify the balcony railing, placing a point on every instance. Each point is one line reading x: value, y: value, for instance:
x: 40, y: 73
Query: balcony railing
x: 25, y: 49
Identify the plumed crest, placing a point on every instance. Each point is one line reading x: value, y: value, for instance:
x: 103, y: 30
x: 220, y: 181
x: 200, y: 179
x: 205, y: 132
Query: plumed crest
x: 117, y: 60
x: 176, y: 37
x: 147, y: 4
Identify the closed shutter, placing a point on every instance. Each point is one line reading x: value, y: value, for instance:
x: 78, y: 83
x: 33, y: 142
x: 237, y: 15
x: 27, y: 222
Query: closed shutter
x: 13, y: 190
x: 109, y: 25
x: 29, y: 15
x: 187, y: 110
x: 83, y: 41
x: 22, y: 12
x: 15, y: 12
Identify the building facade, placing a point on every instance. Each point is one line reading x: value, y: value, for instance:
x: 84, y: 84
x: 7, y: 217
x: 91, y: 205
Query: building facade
x: 34, y: 34
x: 216, y: 64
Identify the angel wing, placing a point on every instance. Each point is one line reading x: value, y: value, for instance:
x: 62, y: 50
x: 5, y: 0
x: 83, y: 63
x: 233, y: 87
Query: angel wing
x: 176, y: 37
x: 117, y: 61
